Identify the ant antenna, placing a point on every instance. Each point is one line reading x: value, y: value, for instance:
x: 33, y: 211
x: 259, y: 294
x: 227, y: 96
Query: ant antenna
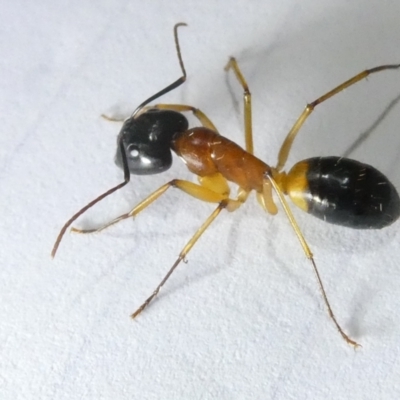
x: 169, y: 88
x: 174, y: 85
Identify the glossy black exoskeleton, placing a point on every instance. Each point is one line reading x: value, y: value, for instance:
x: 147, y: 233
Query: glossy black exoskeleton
x: 350, y: 193
x: 146, y: 141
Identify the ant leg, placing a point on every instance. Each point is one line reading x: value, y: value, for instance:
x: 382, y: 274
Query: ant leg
x: 204, y: 120
x: 192, y: 189
x: 232, y: 63
x: 183, y: 254
x: 216, y: 182
x: 230, y: 205
x: 309, y: 255
x: 287, y: 144
x: 113, y: 119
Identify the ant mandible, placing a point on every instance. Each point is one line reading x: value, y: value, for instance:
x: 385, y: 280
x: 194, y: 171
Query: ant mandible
x: 336, y: 189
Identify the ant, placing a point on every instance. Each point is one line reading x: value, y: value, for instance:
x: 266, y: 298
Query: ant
x: 336, y: 189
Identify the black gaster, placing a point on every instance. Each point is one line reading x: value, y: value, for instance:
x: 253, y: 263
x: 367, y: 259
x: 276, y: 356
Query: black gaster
x: 349, y: 193
x: 147, y: 139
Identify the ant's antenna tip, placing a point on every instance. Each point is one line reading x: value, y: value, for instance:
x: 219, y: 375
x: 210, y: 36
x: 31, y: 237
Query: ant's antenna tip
x: 180, y: 24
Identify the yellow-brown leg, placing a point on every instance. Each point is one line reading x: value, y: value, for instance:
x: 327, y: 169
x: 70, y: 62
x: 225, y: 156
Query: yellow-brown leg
x: 216, y: 183
x: 213, y: 189
x: 183, y: 254
x: 230, y: 205
x: 201, y: 192
x: 309, y: 255
x: 112, y: 119
x: 194, y: 190
x: 287, y: 144
x: 204, y: 120
x: 248, y: 127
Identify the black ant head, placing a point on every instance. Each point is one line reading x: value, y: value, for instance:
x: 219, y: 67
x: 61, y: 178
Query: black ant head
x: 147, y: 141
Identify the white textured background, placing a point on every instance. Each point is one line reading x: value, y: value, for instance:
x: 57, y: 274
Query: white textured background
x: 244, y: 319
